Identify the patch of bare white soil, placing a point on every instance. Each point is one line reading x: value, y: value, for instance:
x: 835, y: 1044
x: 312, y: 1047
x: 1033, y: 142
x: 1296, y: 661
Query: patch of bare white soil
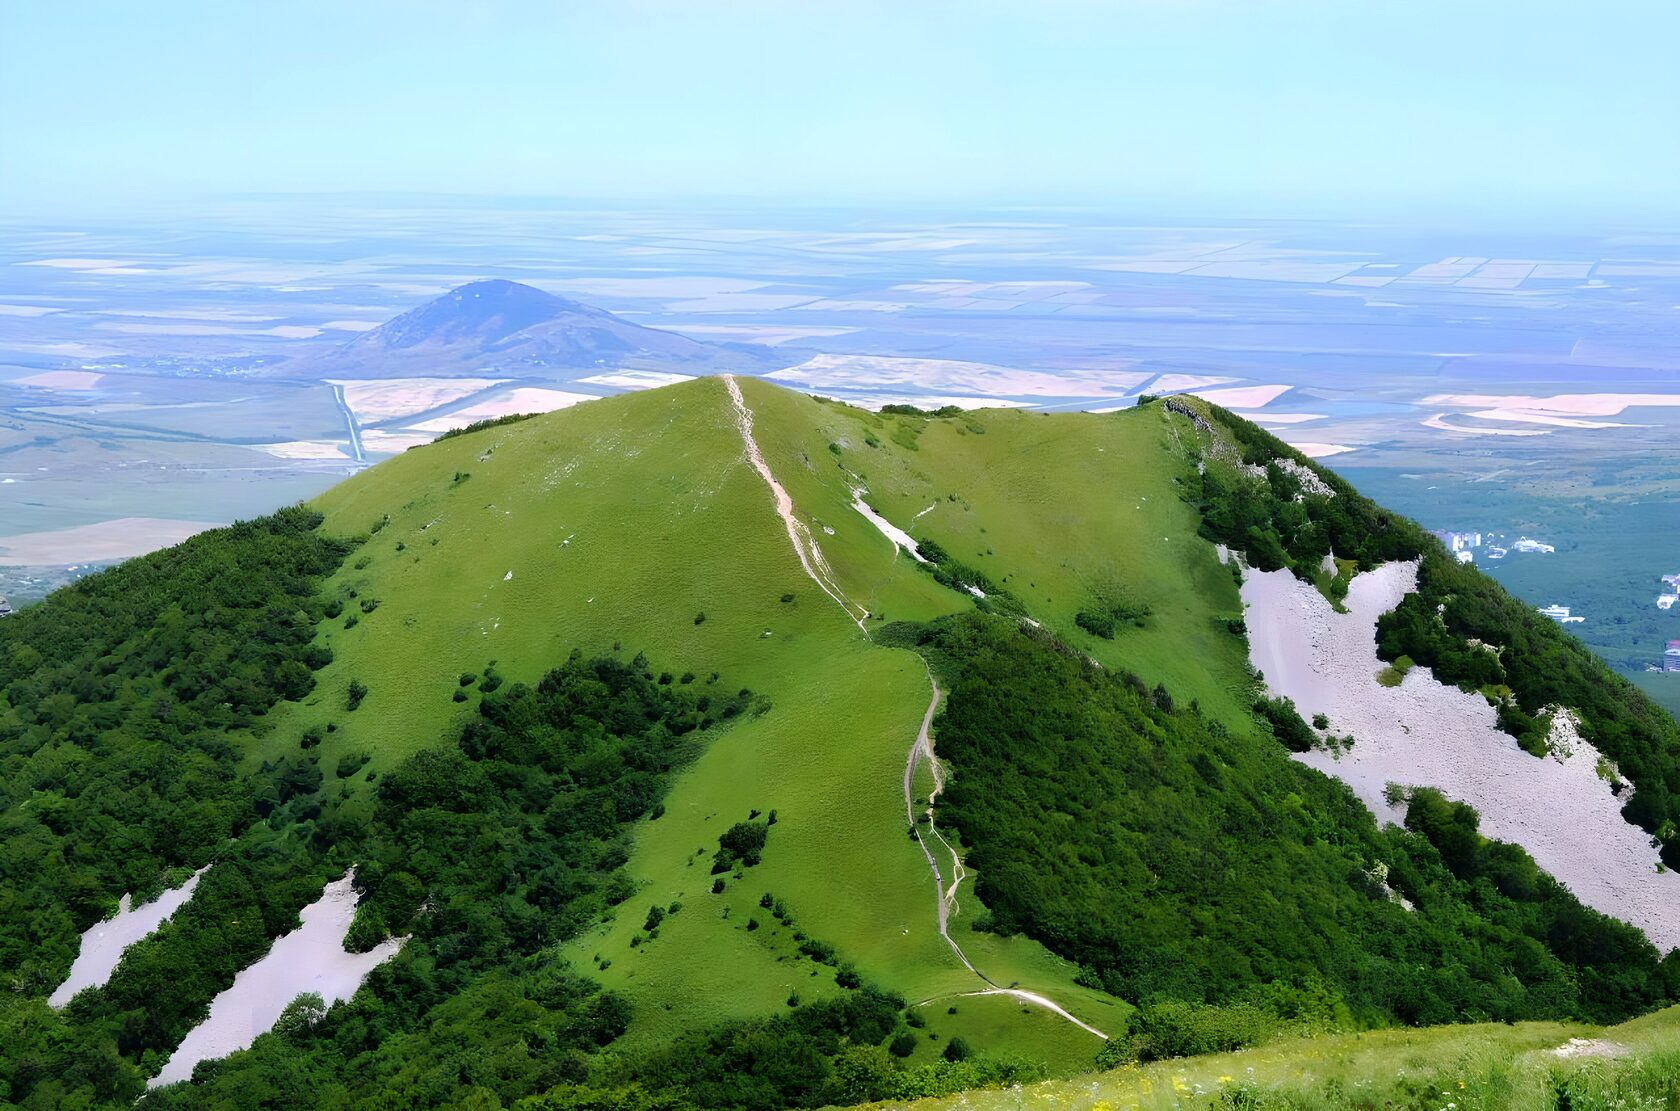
x: 309, y: 959
x: 122, y: 538
x: 1590, y: 1047
x: 898, y: 536
x: 1426, y: 734
x: 104, y: 942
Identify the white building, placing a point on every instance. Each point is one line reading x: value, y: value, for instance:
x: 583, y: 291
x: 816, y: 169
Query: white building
x: 1460, y: 541
x: 1464, y: 555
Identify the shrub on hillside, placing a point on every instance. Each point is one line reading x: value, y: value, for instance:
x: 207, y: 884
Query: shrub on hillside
x: 742, y: 842
x: 1177, y: 1028
x: 1286, y: 723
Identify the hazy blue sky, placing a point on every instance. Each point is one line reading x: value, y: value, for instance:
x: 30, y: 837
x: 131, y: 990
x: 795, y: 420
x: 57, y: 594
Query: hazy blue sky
x: 1286, y: 105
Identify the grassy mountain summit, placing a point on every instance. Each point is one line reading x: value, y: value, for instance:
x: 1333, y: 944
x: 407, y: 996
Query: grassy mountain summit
x: 624, y: 717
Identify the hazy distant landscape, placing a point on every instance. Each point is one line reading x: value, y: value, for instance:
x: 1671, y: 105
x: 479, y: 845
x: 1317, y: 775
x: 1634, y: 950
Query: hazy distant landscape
x: 167, y: 373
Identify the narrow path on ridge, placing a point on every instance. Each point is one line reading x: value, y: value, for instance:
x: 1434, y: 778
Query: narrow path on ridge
x: 945, y: 898
x: 816, y: 567
x: 799, y: 534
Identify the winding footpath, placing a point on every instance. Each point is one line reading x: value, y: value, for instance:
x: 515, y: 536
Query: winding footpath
x: 945, y: 898
x: 799, y: 533
x: 817, y: 568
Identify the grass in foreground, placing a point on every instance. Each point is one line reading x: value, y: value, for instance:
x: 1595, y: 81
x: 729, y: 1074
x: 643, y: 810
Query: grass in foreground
x: 1445, y: 1068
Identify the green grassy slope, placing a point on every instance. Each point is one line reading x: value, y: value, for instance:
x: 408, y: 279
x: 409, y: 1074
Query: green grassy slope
x: 1060, y: 510
x: 593, y: 568
x: 637, y: 524
x: 622, y: 521
x: 1470, y: 1068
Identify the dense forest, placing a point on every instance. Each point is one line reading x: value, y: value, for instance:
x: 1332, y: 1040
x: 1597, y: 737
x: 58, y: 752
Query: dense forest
x: 1256, y: 496
x: 489, y: 853
x: 1179, y: 863
x: 1184, y: 864
x: 119, y: 697
x: 1460, y: 623
x: 127, y: 698
x: 1542, y: 667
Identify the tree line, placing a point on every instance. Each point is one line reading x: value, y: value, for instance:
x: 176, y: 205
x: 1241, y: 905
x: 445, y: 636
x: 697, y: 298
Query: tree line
x: 1176, y: 860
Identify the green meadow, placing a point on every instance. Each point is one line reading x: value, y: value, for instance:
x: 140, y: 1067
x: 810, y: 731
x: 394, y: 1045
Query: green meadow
x: 511, y: 546
x: 1530, y: 1066
x: 1101, y: 749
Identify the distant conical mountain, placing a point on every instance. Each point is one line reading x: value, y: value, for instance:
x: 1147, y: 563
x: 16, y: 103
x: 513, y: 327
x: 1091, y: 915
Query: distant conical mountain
x: 502, y: 325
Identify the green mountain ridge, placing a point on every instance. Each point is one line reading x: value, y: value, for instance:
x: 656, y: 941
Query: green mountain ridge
x: 615, y: 745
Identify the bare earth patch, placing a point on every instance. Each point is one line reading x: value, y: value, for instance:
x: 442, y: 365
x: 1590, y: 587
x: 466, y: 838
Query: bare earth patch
x: 305, y: 449
x: 1421, y: 733
x: 391, y: 443
x: 638, y: 379
x: 62, y: 380
x: 1590, y: 1047
x: 1563, y: 404
x: 526, y: 399
x: 108, y: 540
x: 1244, y: 397
x: 1313, y: 449
x: 1439, y: 421
x: 386, y: 398
x: 310, y: 958
x: 875, y: 372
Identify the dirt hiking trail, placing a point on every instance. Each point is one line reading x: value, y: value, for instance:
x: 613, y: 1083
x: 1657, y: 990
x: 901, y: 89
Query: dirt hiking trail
x: 945, y: 897
x: 799, y: 533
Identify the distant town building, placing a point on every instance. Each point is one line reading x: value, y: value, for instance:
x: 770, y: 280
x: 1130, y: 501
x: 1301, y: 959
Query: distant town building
x: 1459, y: 541
x: 1560, y: 614
x: 1465, y: 555
x: 1671, y: 657
x: 1524, y: 544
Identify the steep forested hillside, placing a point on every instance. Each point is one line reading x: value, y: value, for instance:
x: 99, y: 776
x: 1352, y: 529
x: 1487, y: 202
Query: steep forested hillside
x: 122, y: 694
x: 1174, y: 860
x: 1460, y: 623
x: 620, y: 715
